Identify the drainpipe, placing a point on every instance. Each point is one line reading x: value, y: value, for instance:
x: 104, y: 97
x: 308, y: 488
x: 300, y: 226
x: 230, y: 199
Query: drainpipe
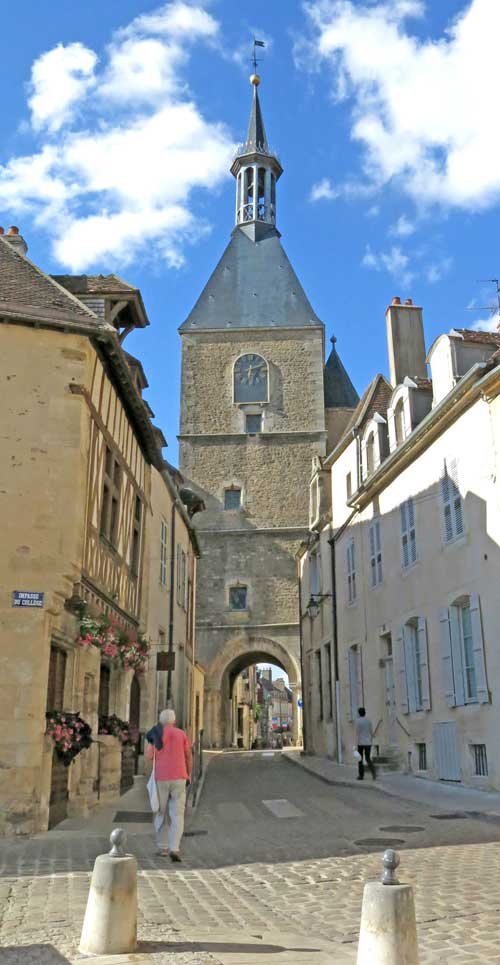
x: 301, y: 643
x: 171, y: 614
x: 336, y: 650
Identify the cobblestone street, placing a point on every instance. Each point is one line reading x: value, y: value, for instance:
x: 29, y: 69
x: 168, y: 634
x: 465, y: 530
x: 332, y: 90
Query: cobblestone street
x: 274, y: 866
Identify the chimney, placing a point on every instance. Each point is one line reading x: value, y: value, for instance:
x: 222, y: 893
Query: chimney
x: 405, y: 341
x: 16, y: 240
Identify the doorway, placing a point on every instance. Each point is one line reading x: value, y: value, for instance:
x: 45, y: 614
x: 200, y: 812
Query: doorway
x: 446, y: 754
x: 390, y: 690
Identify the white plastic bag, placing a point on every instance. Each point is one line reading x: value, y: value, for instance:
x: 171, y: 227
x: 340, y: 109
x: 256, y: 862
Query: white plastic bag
x: 356, y: 754
x: 154, y: 797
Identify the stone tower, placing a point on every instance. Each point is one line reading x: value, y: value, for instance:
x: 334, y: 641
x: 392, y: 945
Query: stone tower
x: 252, y: 419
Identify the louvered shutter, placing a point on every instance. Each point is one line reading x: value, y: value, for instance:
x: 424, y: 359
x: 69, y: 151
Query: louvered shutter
x: 456, y: 655
x: 455, y: 498
x: 378, y: 550
x: 483, y: 695
x: 446, y: 505
x: 373, y: 560
x: 412, y: 539
x: 399, y: 661
x: 449, y: 686
x: 424, y: 663
x: 410, y: 665
x: 407, y: 416
x: 405, y: 549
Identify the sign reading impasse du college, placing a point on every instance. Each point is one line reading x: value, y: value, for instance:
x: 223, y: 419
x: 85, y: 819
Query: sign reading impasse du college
x: 27, y: 598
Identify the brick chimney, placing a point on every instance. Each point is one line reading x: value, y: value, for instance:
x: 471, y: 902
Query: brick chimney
x: 405, y: 341
x: 16, y: 240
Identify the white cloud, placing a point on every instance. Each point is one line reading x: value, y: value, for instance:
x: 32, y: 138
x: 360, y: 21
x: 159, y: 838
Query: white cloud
x: 436, y: 271
x: 423, y: 111
x: 490, y: 324
x: 394, y: 261
x: 59, y: 78
x: 324, y: 190
x: 403, y: 227
x: 119, y: 158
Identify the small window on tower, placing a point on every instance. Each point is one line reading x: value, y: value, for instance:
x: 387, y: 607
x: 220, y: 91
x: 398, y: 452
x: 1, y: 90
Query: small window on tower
x: 253, y: 424
x: 238, y: 597
x: 232, y: 498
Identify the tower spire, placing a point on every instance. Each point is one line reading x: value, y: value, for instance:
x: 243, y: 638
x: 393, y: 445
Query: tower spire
x: 256, y: 169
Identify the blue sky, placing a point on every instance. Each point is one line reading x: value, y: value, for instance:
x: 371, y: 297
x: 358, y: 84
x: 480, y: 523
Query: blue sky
x: 119, y: 121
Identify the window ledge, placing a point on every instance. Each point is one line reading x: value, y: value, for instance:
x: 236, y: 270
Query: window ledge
x: 406, y: 570
x: 457, y: 541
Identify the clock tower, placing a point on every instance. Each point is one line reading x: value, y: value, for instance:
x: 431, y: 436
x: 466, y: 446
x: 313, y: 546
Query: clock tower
x: 252, y: 420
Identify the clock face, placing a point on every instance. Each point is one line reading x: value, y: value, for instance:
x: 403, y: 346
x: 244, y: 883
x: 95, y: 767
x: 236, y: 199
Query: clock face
x: 250, y: 379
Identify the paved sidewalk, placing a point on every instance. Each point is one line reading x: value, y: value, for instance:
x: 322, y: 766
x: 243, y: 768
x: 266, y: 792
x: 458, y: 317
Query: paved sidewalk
x: 435, y: 794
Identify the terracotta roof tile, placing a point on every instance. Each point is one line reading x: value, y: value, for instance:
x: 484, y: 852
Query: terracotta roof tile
x: 485, y: 338
x: 93, y: 284
x: 27, y: 292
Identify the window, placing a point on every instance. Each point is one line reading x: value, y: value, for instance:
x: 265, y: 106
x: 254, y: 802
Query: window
x: 348, y: 485
x: 351, y: 572
x: 329, y: 690
x: 422, y: 757
x: 232, y: 498
x: 250, y: 379
x: 480, y: 760
x: 453, y: 522
x: 136, y: 537
x: 163, y: 552
x: 375, y: 554
x: 408, y: 533
x: 319, y: 679
x: 181, y: 577
x: 104, y: 682
x: 399, y: 422
x: 314, y: 574
x: 462, y: 649
x: 413, y: 666
x: 468, y: 653
x: 238, y: 597
x: 370, y: 454
x: 56, y: 681
x: 110, y: 503
x: 253, y: 424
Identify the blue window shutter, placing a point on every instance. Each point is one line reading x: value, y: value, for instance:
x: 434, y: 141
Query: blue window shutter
x: 424, y: 663
x: 483, y: 695
x: 409, y: 656
x: 449, y: 685
x: 456, y: 656
x: 399, y: 662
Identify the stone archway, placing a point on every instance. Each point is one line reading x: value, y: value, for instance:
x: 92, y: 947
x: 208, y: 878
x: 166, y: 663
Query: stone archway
x: 238, y: 654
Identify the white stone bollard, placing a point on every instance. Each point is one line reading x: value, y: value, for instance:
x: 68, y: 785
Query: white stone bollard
x: 110, y: 923
x: 388, y: 932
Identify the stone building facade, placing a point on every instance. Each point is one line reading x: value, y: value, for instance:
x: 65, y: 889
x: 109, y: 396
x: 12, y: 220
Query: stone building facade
x: 252, y: 419
x: 82, y: 483
x: 405, y: 559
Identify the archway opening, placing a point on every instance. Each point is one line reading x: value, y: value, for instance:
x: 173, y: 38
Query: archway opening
x: 261, y: 704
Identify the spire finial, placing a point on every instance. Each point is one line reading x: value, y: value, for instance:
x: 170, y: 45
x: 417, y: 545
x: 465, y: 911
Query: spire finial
x: 255, y: 80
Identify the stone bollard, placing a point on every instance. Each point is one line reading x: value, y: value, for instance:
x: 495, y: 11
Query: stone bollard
x: 388, y: 932
x: 110, y: 923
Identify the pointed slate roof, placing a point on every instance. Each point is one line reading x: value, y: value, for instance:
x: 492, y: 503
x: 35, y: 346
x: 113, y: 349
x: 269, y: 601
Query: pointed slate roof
x: 256, y: 135
x: 339, y: 390
x: 253, y: 286
x: 28, y: 293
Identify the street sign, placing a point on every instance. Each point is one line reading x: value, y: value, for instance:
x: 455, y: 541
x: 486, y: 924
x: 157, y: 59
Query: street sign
x: 299, y: 702
x: 27, y: 598
x: 165, y: 660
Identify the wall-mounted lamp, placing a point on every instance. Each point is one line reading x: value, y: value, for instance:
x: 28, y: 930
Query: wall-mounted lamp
x: 314, y: 605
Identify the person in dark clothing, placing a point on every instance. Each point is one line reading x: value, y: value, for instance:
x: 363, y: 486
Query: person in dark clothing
x: 364, y: 741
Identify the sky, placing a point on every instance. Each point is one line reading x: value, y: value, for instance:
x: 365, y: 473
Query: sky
x: 119, y: 122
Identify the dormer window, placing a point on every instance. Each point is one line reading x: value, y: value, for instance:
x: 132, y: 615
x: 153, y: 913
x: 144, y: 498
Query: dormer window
x: 399, y: 422
x: 370, y: 454
x: 250, y: 379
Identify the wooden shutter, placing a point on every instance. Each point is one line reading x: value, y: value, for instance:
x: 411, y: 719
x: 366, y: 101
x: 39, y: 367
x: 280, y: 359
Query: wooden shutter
x: 56, y: 680
x: 399, y: 662
x: 348, y: 684
x: 405, y: 547
x: 456, y: 655
x: 448, y: 531
x: 483, y: 695
x: 448, y: 678
x: 424, y: 663
x: 410, y: 665
x: 373, y: 555
x: 456, y: 499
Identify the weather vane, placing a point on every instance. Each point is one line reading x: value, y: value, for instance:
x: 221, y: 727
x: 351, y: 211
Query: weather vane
x: 494, y: 309
x: 256, y: 43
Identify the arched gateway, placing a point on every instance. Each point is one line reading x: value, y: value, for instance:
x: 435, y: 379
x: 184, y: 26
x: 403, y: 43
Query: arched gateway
x: 238, y: 654
x: 252, y: 421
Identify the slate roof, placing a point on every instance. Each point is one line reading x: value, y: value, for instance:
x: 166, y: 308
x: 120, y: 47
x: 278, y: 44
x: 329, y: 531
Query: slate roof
x: 339, y: 390
x: 27, y: 292
x: 253, y: 286
x: 256, y: 136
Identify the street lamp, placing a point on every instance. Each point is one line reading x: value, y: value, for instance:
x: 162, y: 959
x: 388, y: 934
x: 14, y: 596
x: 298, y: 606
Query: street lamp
x: 314, y: 605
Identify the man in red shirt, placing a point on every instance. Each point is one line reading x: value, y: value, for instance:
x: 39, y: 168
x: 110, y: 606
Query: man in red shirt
x: 173, y: 765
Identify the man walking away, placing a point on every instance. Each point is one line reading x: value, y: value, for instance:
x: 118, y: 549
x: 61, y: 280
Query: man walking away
x: 173, y: 766
x: 364, y: 740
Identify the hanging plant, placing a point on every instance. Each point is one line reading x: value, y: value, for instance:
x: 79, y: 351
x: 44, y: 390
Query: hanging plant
x: 70, y: 734
x: 111, y: 724
x: 126, y: 649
